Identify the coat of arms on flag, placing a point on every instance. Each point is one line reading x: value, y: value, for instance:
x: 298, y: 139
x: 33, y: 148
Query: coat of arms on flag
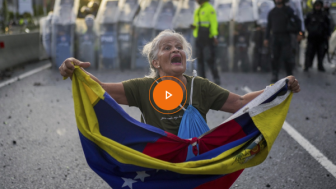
x: 129, y: 154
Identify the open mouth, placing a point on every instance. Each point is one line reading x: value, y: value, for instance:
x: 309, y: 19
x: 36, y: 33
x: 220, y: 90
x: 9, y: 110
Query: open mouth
x: 176, y: 59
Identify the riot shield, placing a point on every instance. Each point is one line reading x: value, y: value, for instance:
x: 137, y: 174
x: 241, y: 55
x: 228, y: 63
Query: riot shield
x: 244, y: 19
x: 242, y: 11
x: 223, y: 9
x: 125, y: 32
x: 182, y: 21
x: 296, y: 6
x: 46, y: 31
x: 261, y: 8
x: 107, y: 28
x: 63, y: 30
x: 261, y: 60
x: 143, y: 32
x: 163, y: 18
x: 86, y: 40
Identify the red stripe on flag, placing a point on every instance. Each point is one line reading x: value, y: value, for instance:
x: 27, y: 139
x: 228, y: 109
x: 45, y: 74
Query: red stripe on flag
x: 174, y: 149
x: 223, y: 182
x: 170, y: 148
x: 224, y: 134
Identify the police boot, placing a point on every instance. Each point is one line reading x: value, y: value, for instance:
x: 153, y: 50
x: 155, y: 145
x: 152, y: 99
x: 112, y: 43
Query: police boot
x: 321, y: 69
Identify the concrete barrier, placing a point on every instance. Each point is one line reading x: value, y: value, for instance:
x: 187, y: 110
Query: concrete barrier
x: 18, y: 49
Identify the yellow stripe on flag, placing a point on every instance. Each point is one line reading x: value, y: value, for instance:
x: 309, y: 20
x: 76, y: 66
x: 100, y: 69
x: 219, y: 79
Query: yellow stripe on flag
x: 270, y: 121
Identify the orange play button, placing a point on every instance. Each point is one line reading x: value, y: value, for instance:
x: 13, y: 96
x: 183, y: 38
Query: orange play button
x: 167, y: 95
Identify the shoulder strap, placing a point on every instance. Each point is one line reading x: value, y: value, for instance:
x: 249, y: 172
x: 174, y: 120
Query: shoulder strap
x: 192, y: 86
x: 191, y: 90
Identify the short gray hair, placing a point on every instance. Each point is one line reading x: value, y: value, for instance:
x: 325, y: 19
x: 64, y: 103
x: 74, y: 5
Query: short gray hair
x: 151, y: 49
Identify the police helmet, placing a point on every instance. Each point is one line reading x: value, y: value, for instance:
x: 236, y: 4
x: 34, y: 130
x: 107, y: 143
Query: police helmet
x: 89, y: 20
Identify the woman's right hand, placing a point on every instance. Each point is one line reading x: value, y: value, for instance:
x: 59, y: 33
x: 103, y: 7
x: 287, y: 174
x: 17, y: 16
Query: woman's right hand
x: 68, y: 66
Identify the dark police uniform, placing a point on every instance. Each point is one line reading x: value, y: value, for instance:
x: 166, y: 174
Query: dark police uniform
x: 206, y: 30
x: 318, y: 27
x: 277, y: 22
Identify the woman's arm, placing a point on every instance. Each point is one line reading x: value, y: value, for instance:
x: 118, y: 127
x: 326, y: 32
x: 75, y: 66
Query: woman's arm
x: 115, y: 90
x: 235, y: 102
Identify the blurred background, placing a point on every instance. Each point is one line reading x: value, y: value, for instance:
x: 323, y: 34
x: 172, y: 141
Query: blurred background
x: 111, y: 33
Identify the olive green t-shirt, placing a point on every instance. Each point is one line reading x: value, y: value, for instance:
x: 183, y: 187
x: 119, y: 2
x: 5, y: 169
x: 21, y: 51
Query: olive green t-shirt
x: 206, y: 95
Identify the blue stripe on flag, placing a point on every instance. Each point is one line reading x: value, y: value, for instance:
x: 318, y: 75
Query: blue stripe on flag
x: 113, y: 171
x: 246, y: 123
x: 115, y: 124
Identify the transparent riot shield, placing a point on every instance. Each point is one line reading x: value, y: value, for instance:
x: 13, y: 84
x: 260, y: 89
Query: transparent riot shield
x: 244, y: 19
x: 107, y: 28
x: 63, y: 30
x: 164, y: 16
x: 182, y: 21
x: 86, y: 40
x: 261, y: 10
x: 143, y: 32
x: 296, y: 6
x: 125, y: 32
x: 45, y: 32
x: 261, y: 60
x: 223, y: 9
x: 242, y: 11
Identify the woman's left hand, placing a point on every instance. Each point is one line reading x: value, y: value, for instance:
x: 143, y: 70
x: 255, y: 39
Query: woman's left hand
x: 293, y: 84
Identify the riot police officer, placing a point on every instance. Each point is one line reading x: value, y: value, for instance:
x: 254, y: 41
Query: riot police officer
x: 318, y: 27
x: 205, y: 31
x: 278, y: 22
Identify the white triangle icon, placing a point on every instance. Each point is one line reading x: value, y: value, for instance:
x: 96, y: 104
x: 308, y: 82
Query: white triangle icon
x: 168, y: 95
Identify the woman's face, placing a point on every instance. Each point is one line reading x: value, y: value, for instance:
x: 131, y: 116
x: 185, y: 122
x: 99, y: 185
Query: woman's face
x: 171, y: 57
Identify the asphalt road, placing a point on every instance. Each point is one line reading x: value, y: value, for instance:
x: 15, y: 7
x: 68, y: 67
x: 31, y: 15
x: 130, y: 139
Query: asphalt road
x: 40, y: 147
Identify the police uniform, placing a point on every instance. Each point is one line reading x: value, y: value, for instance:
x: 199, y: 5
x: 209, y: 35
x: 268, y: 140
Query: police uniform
x: 318, y: 27
x: 206, y: 30
x: 277, y: 22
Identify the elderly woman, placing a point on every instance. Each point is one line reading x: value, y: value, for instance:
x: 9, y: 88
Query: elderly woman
x: 167, y: 55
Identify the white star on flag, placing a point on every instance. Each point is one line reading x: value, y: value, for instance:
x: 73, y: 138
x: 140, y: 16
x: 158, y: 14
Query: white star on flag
x: 141, y: 175
x: 128, y: 182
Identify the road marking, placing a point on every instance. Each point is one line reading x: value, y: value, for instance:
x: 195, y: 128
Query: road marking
x: 29, y: 73
x: 311, y: 149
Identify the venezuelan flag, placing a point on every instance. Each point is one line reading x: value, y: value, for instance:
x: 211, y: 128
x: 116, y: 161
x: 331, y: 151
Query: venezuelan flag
x: 129, y: 154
